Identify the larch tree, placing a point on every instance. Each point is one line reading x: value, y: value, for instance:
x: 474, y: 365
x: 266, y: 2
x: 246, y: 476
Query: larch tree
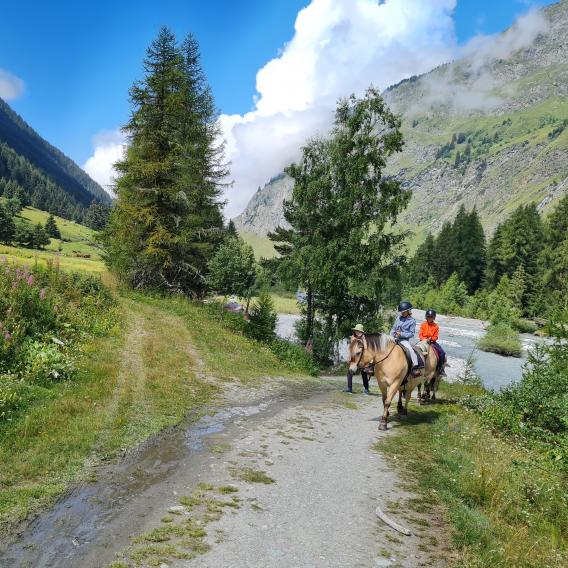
x: 167, y: 220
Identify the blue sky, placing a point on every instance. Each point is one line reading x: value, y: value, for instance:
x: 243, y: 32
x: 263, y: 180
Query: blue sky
x: 78, y: 59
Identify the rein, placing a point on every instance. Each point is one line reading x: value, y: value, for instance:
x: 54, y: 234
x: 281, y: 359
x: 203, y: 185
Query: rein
x: 363, y: 344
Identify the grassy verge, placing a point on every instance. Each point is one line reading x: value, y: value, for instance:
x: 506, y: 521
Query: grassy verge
x: 501, y: 339
x: 507, y: 506
x: 130, y: 386
x: 226, y: 353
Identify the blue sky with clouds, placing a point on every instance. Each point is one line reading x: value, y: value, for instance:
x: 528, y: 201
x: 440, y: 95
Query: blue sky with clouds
x: 66, y: 65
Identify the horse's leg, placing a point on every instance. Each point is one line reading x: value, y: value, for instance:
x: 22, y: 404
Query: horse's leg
x: 407, y: 399
x: 419, y: 396
x: 434, y: 386
x: 399, y: 408
x: 390, y: 395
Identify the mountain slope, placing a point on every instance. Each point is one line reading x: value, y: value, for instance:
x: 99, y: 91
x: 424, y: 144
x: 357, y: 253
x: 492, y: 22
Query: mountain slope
x: 488, y: 131
x: 25, y: 152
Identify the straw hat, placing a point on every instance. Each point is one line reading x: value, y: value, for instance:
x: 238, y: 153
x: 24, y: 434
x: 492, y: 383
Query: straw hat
x: 358, y: 327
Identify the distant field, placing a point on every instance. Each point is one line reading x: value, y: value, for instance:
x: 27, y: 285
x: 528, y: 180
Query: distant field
x: 76, y: 240
x: 262, y: 246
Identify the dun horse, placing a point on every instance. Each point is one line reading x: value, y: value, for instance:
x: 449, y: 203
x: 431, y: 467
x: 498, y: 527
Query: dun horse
x: 391, y: 368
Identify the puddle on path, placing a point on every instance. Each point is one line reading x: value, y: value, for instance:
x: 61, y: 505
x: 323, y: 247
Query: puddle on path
x: 93, y: 520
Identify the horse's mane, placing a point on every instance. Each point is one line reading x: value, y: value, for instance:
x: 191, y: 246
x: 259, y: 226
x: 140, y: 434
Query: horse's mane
x: 379, y: 341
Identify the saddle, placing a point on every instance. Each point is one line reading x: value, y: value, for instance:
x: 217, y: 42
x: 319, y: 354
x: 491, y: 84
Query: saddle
x: 421, y: 360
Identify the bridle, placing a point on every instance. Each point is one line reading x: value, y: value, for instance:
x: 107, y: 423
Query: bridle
x: 363, y: 343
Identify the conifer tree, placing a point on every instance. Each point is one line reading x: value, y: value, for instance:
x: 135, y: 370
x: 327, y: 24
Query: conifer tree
x: 422, y: 263
x: 51, y: 228
x: 467, y: 249
x: 97, y: 216
x: 232, y: 230
x: 40, y: 237
x: 442, y: 260
x: 7, y: 227
x: 167, y: 220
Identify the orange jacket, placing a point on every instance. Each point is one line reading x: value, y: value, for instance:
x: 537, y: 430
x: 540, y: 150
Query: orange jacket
x: 429, y: 331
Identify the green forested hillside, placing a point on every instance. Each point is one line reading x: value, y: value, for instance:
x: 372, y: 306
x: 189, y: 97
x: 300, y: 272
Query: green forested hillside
x: 49, y: 179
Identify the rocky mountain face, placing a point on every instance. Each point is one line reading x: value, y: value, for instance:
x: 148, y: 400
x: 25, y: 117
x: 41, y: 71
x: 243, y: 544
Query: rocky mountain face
x: 488, y: 131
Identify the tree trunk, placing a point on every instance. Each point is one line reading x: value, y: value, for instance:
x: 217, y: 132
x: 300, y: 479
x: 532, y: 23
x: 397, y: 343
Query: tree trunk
x: 309, y: 315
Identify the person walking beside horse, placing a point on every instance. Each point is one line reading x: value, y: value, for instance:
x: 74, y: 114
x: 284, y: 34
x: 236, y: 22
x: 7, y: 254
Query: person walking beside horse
x: 358, y: 333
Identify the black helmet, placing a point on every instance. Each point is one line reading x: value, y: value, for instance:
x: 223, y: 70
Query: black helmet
x: 431, y: 313
x: 404, y: 306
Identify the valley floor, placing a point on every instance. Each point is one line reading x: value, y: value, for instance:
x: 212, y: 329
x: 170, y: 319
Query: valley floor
x: 184, y: 444
x: 295, y: 453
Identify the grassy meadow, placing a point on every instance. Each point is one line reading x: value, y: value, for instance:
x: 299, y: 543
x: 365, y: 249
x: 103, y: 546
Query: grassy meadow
x: 75, y: 240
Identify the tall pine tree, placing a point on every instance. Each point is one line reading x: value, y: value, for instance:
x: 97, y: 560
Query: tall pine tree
x: 167, y: 220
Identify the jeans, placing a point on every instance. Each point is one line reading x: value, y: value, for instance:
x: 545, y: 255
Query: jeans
x: 364, y: 376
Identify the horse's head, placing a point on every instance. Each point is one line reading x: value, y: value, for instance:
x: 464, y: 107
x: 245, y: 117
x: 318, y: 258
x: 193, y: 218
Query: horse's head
x: 358, y: 355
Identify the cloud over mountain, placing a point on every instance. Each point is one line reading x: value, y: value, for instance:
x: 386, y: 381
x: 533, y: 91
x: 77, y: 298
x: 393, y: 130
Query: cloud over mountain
x: 340, y: 47
x: 11, y: 87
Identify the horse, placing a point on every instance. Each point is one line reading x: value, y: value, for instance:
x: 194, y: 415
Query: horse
x: 432, y: 382
x: 390, y: 368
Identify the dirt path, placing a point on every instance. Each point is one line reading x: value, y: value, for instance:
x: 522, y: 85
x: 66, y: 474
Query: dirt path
x: 320, y: 508
x: 312, y: 444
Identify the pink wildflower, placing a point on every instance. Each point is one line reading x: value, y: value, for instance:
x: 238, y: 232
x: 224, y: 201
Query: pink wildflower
x: 30, y: 279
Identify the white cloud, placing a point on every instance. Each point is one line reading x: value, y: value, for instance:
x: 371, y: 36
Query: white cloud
x: 109, y: 149
x: 470, y: 86
x: 11, y: 87
x: 338, y: 47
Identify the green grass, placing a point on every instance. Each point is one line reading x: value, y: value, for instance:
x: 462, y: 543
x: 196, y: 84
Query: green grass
x: 131, y: 386
x: 76, y: 239
x: 227, y: 354
x: 251, y: 475
x: 505, y: 506
x: 262, y: 246
x: 501, y: 339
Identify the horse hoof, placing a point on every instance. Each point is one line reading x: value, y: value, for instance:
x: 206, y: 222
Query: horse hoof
x: 382, y: 426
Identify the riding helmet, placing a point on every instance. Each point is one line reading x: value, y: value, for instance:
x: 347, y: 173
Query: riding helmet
x: 404, y: 306
x: 431, y: 313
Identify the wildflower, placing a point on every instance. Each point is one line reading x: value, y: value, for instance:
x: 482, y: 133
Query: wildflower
x: 57, y: 341
x: 42, y: 294
x: 30, y: 279
x: 7, y: 336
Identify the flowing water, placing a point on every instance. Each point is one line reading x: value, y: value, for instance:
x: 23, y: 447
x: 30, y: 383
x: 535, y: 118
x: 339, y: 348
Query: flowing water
x: 458, y: 338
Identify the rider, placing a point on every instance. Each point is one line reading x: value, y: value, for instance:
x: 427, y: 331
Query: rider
x: 358, y: 333
x: 403, y: 330
x: 429, y: 332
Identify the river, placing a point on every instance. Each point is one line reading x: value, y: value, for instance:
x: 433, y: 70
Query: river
x: 457, y: 337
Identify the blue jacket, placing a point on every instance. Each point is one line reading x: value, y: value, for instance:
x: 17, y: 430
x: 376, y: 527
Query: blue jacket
x: 407, y: 327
